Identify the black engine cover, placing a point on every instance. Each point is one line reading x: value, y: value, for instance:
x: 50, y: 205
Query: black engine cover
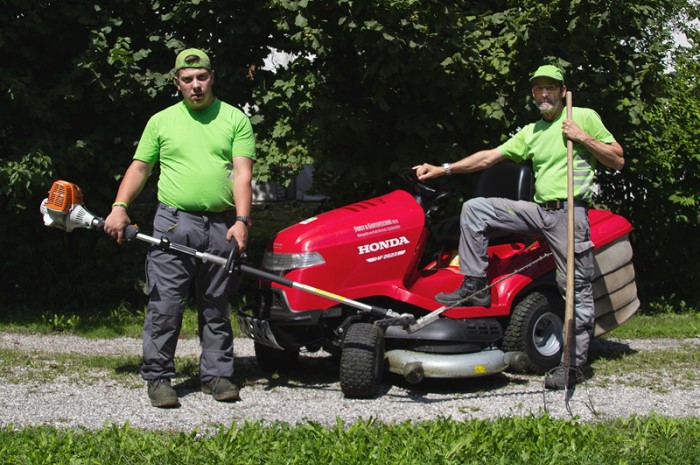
x: 446, y: 336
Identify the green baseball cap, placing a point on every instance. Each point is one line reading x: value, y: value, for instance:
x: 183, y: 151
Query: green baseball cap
x: 192, y: 58
x: 549, y: 71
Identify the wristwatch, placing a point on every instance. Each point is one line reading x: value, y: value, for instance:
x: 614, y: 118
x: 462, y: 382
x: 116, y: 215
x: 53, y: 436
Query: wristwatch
x: 448, y: 170
x: 245, y: 220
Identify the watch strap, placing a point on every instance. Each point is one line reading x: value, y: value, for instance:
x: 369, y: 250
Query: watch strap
x: 243, y: 219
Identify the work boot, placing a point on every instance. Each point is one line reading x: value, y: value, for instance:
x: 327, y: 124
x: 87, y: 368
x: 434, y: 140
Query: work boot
x: 463, y: 297
x: 162, y: 394
x: 221, y: 389
x: 556, y: 381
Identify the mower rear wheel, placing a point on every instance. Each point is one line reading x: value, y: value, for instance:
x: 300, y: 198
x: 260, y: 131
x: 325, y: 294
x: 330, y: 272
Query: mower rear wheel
x: 362, y: 361
x: 536, y: 328
x: 271, y: 359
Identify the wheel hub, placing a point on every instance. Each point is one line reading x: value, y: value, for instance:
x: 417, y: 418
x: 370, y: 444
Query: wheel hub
x: 546, y: 334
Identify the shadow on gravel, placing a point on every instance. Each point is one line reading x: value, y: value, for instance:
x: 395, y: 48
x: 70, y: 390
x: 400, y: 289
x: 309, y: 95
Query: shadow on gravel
x: 130, y: 368
x: 603, y: 349
x: 320, y: 372
x: 487, y: 386
x: 309, y: 372
x: 451, y: 385
x: 186, y: 379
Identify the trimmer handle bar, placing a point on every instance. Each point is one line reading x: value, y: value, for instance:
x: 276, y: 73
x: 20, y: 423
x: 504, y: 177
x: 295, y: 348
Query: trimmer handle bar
x: 234, y: 262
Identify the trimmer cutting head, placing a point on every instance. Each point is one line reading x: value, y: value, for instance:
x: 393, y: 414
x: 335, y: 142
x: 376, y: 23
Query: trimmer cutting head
x: 64, y: 208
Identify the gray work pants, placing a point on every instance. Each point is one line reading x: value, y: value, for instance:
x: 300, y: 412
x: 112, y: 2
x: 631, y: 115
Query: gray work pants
x: 481, y: 218
x: 171, y: 275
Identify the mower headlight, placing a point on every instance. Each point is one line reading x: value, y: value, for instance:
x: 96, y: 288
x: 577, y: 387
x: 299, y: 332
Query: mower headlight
x: 289, y: 261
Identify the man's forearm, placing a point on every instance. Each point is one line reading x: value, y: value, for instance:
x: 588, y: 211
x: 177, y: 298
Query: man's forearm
x: 134, y: 180
x: 243, y: 197
x: 242, y: 185
x: 477, y: 161
x: 610, y: 155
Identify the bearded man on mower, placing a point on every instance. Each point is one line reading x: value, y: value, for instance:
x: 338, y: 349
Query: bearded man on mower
x: 206, y: 151
x: 544, y: 142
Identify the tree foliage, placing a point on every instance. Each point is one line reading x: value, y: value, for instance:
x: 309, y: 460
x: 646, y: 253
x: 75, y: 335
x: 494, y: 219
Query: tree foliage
x: 83, y: 78
x: 374, y: 85
x: 398, y: 82
x: 663, y: 184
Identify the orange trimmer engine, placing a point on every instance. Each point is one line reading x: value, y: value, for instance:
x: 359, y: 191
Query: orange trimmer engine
x: 63, y: 195
x: 64, y: 208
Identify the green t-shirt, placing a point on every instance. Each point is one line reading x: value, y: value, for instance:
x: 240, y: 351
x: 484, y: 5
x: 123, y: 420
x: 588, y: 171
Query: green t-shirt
x: 545, y: 145
x: 195, y: 151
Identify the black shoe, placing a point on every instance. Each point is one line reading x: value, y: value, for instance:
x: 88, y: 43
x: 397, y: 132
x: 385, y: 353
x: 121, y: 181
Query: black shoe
x: 556, y: 381
x: 470, y: 293
x: 162, y: 395
x: 221, y: 389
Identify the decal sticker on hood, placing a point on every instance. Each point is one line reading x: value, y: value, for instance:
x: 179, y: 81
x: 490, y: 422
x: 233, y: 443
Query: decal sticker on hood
x: 385, y: 256
x: 376, y: 227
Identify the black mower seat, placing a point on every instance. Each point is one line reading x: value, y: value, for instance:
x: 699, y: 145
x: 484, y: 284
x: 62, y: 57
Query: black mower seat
x: 508, y: 180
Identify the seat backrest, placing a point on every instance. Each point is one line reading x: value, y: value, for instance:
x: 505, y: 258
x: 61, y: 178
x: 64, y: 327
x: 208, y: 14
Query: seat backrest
x: 509, y: 180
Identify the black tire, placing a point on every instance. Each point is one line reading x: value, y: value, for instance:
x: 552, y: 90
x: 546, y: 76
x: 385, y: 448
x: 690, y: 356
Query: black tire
x: 536, y: 329
x: 362, y: 361
x: 271, y: 359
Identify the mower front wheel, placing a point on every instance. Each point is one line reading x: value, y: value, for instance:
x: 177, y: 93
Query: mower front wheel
x: 362, y: 361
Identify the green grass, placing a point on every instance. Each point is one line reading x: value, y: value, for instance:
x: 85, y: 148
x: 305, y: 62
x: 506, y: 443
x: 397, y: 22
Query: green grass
x: 40, y: 367
x: 36, y: 367
x: 118, y: 322
x: 513, y: 441
x: 657, y: 370
x: 125, y: 322
x: 671, y: 325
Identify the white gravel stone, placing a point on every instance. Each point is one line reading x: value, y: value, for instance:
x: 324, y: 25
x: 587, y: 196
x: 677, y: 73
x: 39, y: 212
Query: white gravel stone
x: 312, y: 393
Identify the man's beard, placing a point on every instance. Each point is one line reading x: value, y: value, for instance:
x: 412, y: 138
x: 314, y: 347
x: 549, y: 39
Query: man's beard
x: 546, y: 107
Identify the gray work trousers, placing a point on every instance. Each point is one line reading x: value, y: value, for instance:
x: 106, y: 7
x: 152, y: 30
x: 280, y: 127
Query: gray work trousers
x: 481, y: 218
x: 171, y: 275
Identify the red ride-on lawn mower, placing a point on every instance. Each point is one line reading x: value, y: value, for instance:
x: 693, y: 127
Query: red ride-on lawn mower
x: 372, y: 252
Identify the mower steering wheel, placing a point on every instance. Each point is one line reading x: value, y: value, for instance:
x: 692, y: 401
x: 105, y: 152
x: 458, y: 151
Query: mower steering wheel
x: 408, y: 175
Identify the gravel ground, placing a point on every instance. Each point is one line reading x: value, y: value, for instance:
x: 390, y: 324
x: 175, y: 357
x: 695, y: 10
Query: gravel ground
x: 312, y: 391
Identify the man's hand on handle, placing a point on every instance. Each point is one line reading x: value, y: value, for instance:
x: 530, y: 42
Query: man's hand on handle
x: 115, y: 223
x: 239, y: 233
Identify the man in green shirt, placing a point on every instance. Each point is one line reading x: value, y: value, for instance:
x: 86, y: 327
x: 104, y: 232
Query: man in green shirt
x: 206, y: 151
x: 544, y: 144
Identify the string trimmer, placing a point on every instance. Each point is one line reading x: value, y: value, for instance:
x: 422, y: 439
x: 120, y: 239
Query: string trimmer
x: 65, y: 209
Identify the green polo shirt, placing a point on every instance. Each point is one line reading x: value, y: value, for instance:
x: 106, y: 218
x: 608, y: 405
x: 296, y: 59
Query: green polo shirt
x: 195, y: 151
x: 545, y: 144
